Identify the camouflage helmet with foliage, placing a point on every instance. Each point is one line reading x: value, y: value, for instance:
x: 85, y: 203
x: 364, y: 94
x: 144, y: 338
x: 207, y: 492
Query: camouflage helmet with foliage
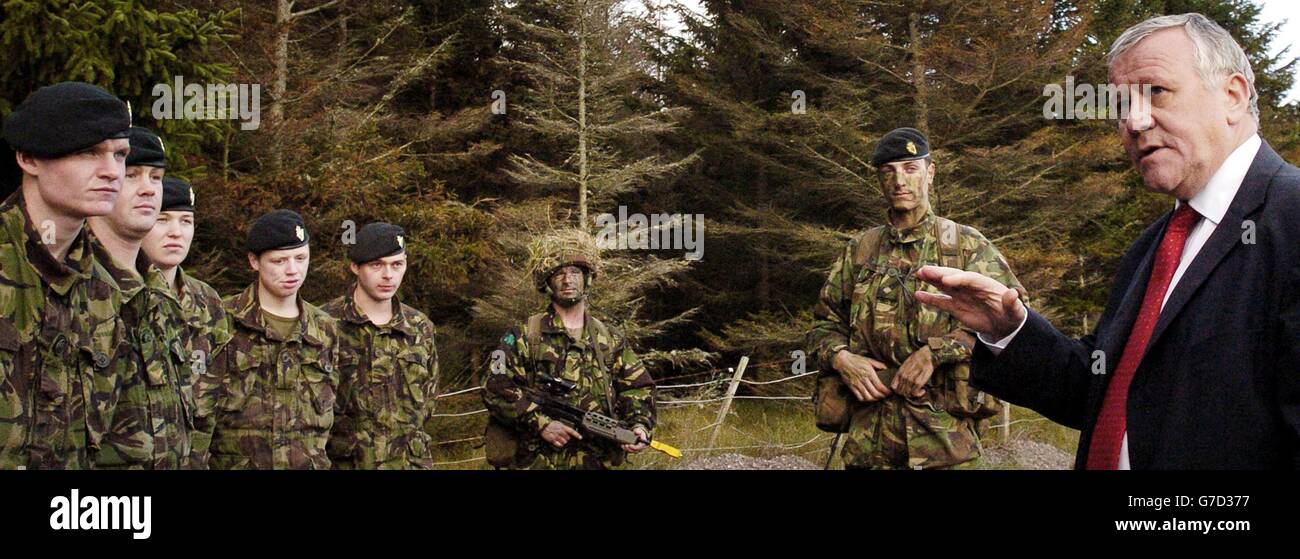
x: 560, y: 248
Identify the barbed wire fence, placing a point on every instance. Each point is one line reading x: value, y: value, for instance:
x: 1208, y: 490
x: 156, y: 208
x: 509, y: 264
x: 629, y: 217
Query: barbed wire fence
x: 724, y: 402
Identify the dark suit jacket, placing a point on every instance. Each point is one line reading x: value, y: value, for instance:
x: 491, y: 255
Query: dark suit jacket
x: 1219, y: 384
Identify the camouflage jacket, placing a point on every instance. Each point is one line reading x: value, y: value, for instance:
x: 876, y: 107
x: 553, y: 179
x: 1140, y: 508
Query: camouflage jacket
x: 388, y: 379
x: 204, y: 314
x: 155, y: 410
x: 868, y: 307
x: 269, y: 403
x: 207, y: 331
x: 58, y: 330
x: 618, y: 386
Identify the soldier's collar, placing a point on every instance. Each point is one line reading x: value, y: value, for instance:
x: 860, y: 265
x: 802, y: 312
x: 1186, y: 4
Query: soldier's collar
x: 352, y: 313
x: 179, y: 288
x: 553, y: 324
x: 183, y: 285
x: 914, y: 233
x: 128, y: 282
x: 248, y: 312
x: 60, y: 276
x: 309, y: 323
x: 402, y: 320
x: 154, y: 279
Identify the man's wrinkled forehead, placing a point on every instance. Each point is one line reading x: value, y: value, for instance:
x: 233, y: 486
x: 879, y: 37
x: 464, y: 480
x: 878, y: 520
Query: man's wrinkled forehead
x: 1165, y: 54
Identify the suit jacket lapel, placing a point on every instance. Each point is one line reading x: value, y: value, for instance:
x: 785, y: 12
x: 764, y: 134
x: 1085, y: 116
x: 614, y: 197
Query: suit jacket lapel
x: 1226, y: 236
x: 1113, y: 339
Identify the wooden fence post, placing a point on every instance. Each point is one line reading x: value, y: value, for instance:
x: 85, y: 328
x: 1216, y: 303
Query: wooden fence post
x: 726, y: 402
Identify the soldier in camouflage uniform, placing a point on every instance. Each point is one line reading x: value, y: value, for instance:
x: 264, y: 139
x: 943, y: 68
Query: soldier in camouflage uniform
x: 566, y: 343
x: 388, y: 364
x: 268, y: 397
x: 57, y: 324
x: 167, y: 246
x: 906, y: 364
x: 155, y: 408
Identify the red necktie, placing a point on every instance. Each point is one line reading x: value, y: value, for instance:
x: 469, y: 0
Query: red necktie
x: 1108, y: 433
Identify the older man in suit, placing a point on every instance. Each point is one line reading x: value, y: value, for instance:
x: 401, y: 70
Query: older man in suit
x: 1195, y: 363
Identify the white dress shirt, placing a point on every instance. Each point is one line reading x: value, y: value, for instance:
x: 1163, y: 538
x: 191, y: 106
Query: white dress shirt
x: 1212, y: 203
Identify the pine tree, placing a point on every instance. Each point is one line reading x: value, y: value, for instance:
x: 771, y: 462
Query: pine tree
x: 586, y: 131
x: 758, y: 89
x: 794, y: 185
x: 124, y: 46
x: 585, y: 70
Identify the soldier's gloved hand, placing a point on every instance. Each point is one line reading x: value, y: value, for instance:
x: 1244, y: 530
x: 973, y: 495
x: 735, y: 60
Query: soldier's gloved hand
x: 642, y: 437
x: 859, y: 374
x: 559, y: 434
x: 915, y: 372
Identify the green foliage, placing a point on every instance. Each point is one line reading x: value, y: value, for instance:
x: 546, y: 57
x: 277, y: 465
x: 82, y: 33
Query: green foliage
x: 121, y: 45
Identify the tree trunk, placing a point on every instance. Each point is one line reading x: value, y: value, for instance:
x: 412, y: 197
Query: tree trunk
x: 763, y: 292
x: 281, y: 60
x: 225, y: 157
x: 343, y: 37
x: 918, y: 74
x: 582, y: 115
x: 283, y: 17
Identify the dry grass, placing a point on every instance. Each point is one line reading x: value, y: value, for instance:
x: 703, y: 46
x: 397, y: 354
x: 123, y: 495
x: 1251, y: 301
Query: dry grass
x: 755, y: 428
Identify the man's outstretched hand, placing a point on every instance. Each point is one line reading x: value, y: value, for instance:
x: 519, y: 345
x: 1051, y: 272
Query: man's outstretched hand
x: 979, y: 302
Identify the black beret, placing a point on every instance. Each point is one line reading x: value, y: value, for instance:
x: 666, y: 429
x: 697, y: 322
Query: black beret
x: 64, y: 118
x: 146, y: 149
x: 377, y: 240
x: 900, y: 144
x: 277, y: 230
x: 178, y: 196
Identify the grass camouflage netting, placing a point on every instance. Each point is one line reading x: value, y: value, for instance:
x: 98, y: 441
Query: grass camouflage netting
x: 561, y: 246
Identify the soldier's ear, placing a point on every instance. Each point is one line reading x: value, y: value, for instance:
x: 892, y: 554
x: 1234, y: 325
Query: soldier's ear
x: 356, y: 271
x: 27, y: 163
x: 252, y: 262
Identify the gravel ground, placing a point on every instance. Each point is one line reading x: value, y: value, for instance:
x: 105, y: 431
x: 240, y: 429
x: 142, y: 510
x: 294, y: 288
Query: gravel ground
x: 742, y: 462
x: 1028, y: 455
x: 1017, y: 455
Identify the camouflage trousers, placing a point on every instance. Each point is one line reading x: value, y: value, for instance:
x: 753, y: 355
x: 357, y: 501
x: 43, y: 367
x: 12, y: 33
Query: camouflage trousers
x: 897, y: 433
x: 537, y: 454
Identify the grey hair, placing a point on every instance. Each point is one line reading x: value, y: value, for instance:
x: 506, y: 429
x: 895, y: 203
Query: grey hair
x: 1216, y: 53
